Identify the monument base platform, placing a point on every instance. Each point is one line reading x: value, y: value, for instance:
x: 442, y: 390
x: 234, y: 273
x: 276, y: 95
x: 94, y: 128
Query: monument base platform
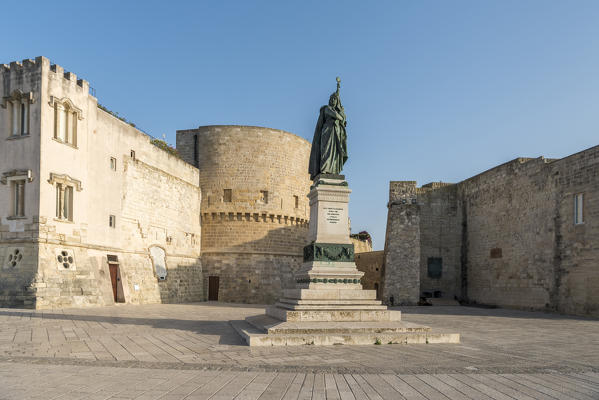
x: 328, y: 304
x: 263, y: 330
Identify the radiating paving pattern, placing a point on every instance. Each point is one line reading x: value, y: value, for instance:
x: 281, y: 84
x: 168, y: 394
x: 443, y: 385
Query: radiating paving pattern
x: 191, y: 351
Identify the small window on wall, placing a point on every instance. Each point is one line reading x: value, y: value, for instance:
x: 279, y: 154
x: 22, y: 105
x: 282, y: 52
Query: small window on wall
x: 227, y: 195
x: 296, y: 201
x: 133, y: 155
x: 435, y: 267
x: 64, y: 202
x: 113, y: 163
x: 264, y: 196
x: 578, y: 209
x: 112, y: 221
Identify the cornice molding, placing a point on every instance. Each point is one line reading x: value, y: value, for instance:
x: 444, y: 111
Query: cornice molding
x: 18, y: 95
x: 65, y: 101
x: 65, y: 180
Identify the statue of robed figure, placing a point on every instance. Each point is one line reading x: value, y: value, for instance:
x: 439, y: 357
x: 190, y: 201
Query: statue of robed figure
x: 329, y: 145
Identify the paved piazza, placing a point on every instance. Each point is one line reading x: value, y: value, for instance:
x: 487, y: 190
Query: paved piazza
x: 191, y: 352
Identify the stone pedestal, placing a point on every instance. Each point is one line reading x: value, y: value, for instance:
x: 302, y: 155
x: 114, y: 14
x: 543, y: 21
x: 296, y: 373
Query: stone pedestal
x: 328, y: 304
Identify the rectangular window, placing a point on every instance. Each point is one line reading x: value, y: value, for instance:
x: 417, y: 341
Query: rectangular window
x: 68, y: 203
x: 15, y: 118
x: 578, y: 208
x: 435, y: 267
x: 113, y: 163
x: 18, y: 198
x: 62, y: 125
x: 23, y: 118
x: 112, y: 221
x: 296, y: 200
x: 64, y: 202
x: 264, y: 196
x: 227, y: 195
x: 72, y: 129
x: 133, y: 154
x: 58, y: 199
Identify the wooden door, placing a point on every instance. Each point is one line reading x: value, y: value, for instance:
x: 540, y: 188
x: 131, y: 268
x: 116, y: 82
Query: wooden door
x: 213, y: 288
x: 114, y: 273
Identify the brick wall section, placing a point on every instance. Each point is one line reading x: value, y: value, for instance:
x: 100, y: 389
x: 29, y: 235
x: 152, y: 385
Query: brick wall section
x: 247, y: 239
x: 507, y: 236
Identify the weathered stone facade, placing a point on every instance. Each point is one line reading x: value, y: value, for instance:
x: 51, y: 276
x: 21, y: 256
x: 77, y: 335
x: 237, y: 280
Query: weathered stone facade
x: 107, y: 216
x: 255, y: 212
x: 97, y: 196
x: 506, y: 237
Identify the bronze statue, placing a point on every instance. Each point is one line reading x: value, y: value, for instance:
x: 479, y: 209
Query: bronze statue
x: 329, y: 145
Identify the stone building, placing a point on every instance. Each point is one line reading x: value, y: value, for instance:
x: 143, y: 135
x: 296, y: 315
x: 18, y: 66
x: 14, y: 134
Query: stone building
x: 254, y: 208
x: 93, y: 213
x: 524, y: 234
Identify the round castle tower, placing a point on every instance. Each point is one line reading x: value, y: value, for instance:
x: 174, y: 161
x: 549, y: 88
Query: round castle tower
x: 254, y: 208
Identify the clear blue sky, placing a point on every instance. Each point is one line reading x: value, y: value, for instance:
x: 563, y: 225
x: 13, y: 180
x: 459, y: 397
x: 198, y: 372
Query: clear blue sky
x: 432, y: 90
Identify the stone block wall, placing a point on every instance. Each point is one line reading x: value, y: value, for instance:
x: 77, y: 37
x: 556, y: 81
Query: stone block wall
x: 401, y: 283
x: 510, y: 214
x: 506, y: 237
x: 440, y: 240
x: 372, y: 264
x: 250, y: 278
x: 254, y: 208
x: 576, y: 251
x: 117, y: 175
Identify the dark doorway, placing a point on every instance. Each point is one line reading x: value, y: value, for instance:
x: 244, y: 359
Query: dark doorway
x: 115, y: 279
x: 376, y: 287
x: 213, y: 288
x: 114, y: 275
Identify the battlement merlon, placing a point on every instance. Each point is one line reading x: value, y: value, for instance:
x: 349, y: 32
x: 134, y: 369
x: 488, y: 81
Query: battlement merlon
x: 29, y: 65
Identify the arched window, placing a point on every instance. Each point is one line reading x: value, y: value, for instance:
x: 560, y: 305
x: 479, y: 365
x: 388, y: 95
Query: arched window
x: 17, y: 112
x: 66, y: 116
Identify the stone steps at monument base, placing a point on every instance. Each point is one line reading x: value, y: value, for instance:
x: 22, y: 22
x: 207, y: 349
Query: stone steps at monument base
x: 256, y: 337
x: 361, y: 306
x: 329, y: 294
x: 272, y: 326
x: 332, y: 313
x: 353, y: 302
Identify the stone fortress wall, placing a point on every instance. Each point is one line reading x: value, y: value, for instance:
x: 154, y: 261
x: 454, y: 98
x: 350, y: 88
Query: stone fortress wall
x: 112, y: 169
x: 505, y: 237
x: 254, y: 207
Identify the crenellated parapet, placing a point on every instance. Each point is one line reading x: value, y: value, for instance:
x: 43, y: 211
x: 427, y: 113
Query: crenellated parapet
x: 69, y: 76
x: 18, y: 69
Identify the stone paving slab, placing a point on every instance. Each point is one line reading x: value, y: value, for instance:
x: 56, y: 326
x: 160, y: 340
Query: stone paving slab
x: 48, y: 382
x: 199, y: 336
